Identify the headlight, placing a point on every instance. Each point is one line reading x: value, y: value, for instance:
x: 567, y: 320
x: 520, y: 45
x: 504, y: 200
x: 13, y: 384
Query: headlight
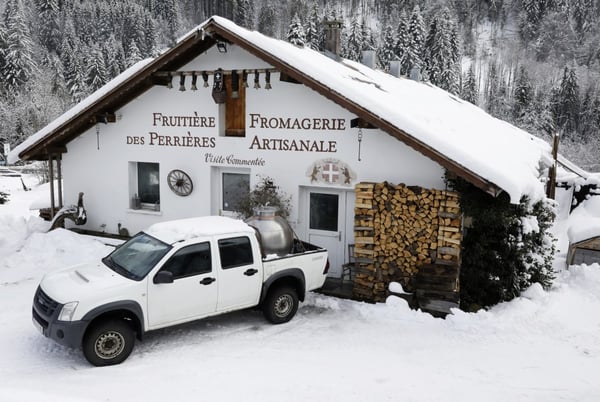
x: 66, y: 314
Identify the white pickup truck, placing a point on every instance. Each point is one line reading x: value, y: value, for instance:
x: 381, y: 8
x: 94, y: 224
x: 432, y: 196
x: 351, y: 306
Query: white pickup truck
x: 174, y: 272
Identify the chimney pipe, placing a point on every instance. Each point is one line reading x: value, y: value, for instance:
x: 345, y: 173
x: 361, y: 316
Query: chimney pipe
x: 333, y: 37
x: 368, y: 58
x: 395, y: 68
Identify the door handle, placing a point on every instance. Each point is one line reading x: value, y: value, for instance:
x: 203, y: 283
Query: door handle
x: 340, y: 235
x: 250, y: 272
x: 207, y: 281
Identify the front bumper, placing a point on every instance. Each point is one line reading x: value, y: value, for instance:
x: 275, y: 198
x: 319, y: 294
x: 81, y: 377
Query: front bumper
x: 45, y: 319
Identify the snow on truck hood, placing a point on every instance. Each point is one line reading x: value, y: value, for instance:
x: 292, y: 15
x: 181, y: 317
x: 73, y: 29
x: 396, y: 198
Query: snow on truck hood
x: 74, y: 283
x: 184, y: 229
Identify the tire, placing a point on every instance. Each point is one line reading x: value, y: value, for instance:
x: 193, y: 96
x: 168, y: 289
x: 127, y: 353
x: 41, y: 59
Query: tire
x: 280, y: 305
x: 108, y: 342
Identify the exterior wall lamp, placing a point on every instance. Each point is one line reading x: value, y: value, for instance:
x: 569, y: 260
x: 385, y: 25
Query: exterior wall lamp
x: 221, y: 47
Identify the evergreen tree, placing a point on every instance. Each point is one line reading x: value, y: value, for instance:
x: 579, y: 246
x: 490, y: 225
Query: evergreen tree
x: 531, y: 16
x: 296, y: 32
x: 416, y: 29
x: 114, y: 57
x: 470, y: 91
x: 367, y: 37
x: 313, y: 28
x: 523, y: 95
x: 386, y: 51
x: 266, y: 19
x: 49, y: 29
x: 17, y: 64
x: 243, y: 13
x: 133, y: 54
x: 354, y: 41
x: 403, y: 42
x: 590, y: 110
x: 441, y: 53
x: 565, y: 104
x: 96, y: 74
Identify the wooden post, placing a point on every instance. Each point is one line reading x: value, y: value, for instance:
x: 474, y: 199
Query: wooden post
x: 51, y: 172
x: 551, y: 187
x: 59, y: 179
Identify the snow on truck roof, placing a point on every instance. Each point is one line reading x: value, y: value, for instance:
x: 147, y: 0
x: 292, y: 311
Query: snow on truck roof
x: 184, y: 229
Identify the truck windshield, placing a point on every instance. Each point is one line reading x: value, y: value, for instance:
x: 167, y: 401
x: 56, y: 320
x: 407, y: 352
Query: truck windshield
x: 136, y: 257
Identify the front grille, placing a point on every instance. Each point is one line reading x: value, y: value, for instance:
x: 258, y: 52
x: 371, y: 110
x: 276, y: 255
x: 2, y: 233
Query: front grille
x: 44, y: 303
x: 39, y: 319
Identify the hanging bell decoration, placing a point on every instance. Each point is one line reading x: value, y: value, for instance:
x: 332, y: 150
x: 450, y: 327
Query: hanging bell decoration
x: 256, y: 77
x: 170, y: 83
x: 205, y: 78
x: 181, y: 82
x: 267, y: 79
x: 235, y: 85
x: 219, y: 92
x: 194, y: 79
x: 245, y: 78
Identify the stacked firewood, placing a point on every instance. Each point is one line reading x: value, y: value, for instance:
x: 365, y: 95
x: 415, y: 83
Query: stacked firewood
x: 398, y: 229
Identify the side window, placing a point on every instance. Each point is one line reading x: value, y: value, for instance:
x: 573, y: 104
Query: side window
x: 236, y: 187
x: 144, y: 185
x: 191, y: 260
x: 235, y: 252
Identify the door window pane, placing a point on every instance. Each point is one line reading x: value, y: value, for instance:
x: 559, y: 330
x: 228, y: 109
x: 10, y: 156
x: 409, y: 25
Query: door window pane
x: 148, y: 183
x: 235, y: 252
x: 324, y: 211
x: 191, y: 260
x: 236, y: 187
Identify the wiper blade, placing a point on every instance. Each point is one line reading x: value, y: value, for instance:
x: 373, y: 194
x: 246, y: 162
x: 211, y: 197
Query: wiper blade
x: 109, y: 262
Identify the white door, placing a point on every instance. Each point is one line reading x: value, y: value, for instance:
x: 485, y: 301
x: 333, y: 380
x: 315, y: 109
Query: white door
x: 193, y: 292
x: 240, y: 275
x: 326, y: 219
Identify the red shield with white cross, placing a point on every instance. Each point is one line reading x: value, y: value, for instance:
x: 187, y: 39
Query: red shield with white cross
x: 331, y: 172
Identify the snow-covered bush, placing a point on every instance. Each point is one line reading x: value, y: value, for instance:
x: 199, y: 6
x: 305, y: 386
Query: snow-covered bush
x: 3, y: 197
x: 506, y: 247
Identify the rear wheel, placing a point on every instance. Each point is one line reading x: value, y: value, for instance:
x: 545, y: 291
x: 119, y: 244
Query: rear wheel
x: 108, y: 342
x: 280, y: 305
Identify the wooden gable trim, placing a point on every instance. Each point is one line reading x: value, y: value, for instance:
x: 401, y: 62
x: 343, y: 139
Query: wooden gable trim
x: 120, y: 96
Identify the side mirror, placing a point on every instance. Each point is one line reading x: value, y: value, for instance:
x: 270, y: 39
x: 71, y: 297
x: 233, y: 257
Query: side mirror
x: 163, y: 277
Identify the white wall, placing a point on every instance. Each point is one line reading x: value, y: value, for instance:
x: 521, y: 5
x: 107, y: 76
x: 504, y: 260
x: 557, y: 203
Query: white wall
x: 98, y: 164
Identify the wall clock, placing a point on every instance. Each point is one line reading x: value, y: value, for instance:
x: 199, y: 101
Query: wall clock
x: 180, y: 182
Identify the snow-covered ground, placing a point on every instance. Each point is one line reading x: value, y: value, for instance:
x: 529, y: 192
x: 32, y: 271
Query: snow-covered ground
x: 544, y: 346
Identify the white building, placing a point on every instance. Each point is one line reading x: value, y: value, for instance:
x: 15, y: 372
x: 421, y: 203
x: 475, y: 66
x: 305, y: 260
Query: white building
x: 324, y: 125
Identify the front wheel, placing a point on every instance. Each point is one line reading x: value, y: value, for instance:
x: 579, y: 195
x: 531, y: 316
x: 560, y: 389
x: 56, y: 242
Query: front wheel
x: 280, y: 305
x: 108, y: 342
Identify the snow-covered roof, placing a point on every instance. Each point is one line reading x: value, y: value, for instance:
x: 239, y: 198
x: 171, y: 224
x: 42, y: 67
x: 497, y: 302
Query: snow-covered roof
x: 460, y: 136
x: 585, y: 221
x: 185, y: 229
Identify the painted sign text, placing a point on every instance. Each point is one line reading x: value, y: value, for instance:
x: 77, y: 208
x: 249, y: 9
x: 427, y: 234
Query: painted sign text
x: 284, y: 144
x: 233, y: 160
x: 162, y: 120
x: 316, y: 123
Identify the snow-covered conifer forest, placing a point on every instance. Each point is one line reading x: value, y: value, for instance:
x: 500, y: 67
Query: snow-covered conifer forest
x: 534, y: 63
